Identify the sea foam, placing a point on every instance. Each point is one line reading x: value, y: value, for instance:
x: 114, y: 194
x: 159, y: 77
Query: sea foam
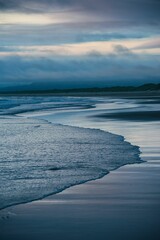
x: 38, y: 158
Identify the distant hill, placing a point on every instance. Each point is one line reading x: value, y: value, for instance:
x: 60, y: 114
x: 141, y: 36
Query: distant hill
x: 118, y: 89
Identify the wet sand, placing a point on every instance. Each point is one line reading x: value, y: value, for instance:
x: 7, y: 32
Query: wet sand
x: 135, y: 115
x: 123, y: 205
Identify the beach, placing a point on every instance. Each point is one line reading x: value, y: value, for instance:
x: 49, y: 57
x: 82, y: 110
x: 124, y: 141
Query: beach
x: 125, y: 204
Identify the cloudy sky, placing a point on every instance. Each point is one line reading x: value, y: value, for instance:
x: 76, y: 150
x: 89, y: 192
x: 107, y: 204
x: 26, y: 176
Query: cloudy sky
x: 72, y: 43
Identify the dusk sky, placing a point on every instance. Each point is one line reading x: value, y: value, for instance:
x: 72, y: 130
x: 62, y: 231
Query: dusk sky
x: 71, y: 43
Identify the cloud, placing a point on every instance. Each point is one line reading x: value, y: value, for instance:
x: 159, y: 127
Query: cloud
x: 118, y: 46
x: 150, y: 44
x: 89, y: 40
x: 122, y: 50
x: 142, y: 11
x: 71, y: 21
x: 90, y: 70
x: 37, y: 6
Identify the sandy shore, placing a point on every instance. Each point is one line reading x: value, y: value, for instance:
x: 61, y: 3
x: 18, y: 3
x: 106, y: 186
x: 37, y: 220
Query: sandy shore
x: 123, y: 205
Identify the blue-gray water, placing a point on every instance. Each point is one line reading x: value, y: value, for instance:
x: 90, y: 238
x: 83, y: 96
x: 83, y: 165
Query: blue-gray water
x: 39, y: 158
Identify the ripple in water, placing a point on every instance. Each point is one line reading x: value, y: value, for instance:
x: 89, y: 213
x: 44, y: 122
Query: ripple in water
x: 38, y: 158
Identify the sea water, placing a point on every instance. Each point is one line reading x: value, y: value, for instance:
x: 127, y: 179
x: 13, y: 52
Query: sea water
x: 39, y: 158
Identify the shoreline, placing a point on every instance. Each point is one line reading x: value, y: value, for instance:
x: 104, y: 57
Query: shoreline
x: 120, y: 138
x: 69, y: 171
x: 101, y: 208
x: 125, y: 94
x: 124, y: 204
x: 66, y: 188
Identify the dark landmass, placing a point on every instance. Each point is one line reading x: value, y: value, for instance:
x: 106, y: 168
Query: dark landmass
x: 151, y: 87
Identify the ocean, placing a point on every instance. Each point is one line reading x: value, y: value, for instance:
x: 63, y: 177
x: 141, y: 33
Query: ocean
x: 51, y: 143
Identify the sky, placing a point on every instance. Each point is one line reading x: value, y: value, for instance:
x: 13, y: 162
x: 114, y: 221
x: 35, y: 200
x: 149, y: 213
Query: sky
x: 70, y: 43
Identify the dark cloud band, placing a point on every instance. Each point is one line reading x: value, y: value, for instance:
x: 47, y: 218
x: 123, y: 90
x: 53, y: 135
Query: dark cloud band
x: 142, y: 11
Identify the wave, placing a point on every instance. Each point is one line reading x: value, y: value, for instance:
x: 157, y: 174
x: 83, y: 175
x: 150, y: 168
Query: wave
x: 38, y: 158
x: 18, y: 105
